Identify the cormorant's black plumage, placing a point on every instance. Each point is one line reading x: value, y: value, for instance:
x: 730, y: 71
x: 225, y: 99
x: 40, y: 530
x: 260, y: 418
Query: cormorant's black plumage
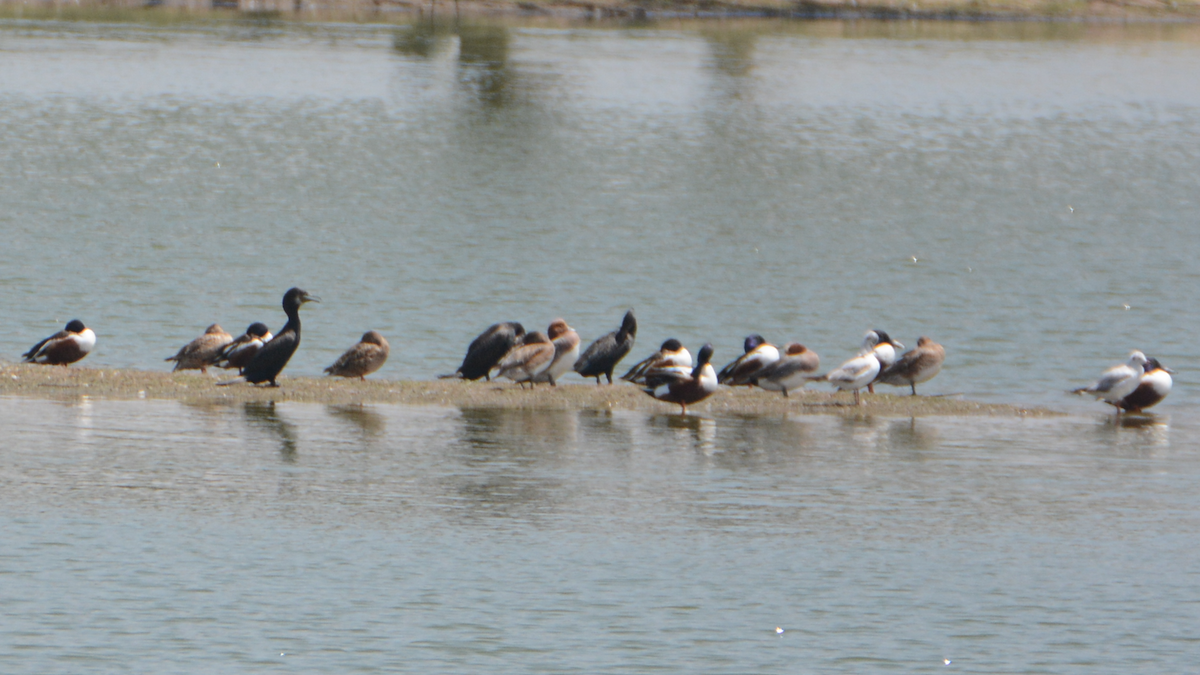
x: 486, y: 350
x: 274, y: 355
x: 603, y: 355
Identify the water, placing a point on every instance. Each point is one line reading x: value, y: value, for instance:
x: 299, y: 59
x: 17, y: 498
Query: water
x: 359, y: 539
x: 777, y: 180
x: 720, y: 179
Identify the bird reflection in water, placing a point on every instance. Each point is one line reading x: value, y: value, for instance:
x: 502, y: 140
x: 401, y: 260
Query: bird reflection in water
x: 368, y: 422
x: 1136, y: 421
x: 262, y: 414
x: 912, y: 434
x: 483, y: 51
x: 701, y: 432
x: 1135, y: 434
x: 732, y: 50
x: 488, y: 429
x: 607, y: 429
x: 423, y: 39
x: 509, y: 461
x: 862, y: 428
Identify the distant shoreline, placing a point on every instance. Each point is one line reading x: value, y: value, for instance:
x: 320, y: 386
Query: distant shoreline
x: 391, y: 11
x: 75, y: 383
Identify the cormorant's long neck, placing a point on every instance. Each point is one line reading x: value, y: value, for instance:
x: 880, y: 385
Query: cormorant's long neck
x: 293, y: 322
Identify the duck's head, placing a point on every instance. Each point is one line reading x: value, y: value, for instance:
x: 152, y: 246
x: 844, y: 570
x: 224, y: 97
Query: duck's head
x: 794, y: 349
x: 535, y: 337
x: 76, y: 326
x: 705, y: 355
x: 557, y: 328
x: 258, y: 329
x: 752, y: 342
x: 671, y: 345
x: 374, y: 337
x: 214, y: 329
x: 885, y: 339
x: 1154, y: 364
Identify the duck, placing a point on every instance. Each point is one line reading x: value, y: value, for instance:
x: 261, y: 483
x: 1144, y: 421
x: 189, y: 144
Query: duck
x: 672, y: 354
x: 65, y: 347
x: 202, y: 352
x: 274, y: 355
x: 239, y: 352
x: 528, y: 360
x: 915, y: 366
x: 566, y: 352
x: 1153, y: 387
x: 687, y: 388
x: 486, y: 350
x: 1117, y: 382
x: 602, y: 356
x: 363, y: 358
x: 885, y: 351
x: 858, y: 372
x: 791, y: 371
x: 758, y: 355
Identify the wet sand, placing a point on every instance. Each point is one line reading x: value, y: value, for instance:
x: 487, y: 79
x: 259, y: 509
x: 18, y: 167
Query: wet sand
x: 389, y: 11
x: 47, y: 382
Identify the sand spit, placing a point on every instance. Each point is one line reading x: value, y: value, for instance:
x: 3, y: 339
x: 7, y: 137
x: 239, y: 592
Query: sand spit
x: 47, y: 382
x: 389, y: 11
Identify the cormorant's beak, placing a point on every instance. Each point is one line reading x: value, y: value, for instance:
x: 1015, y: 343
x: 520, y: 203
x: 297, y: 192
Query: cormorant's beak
x: 309, y: 298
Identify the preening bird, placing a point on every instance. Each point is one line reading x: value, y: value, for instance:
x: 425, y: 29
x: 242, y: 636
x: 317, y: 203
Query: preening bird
x: 915, y: 366
x: 241, y: 351
x: 486, y: 350
x: 64, y: 347
x: 202, y: 352
x: 363, y: 358
x: 758, y: 355
x: 885, y: 351
x: 1153, y: 387
x: 528, y: 360
x: 791, y: 371
x: 858, y: 372
x: 1118, y: 382
x: 686, y: 388
x: 566, y: 352
x: 672, y: 354
x: 602, y: 356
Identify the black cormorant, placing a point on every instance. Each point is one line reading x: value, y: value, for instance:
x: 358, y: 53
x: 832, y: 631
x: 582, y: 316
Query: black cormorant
x: 603, y: 355
x: 487, y: 350
x: 270, y: 360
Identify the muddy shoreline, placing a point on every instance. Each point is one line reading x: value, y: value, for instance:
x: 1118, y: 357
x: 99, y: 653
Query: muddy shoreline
x: 74, y: 383
x: 400, y: 11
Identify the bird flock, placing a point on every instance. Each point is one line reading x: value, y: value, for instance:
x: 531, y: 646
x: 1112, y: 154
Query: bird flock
x: 506, y: 350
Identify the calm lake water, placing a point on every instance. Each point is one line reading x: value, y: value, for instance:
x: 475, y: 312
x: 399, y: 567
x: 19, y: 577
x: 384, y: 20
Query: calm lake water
x: 1025, y: 194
